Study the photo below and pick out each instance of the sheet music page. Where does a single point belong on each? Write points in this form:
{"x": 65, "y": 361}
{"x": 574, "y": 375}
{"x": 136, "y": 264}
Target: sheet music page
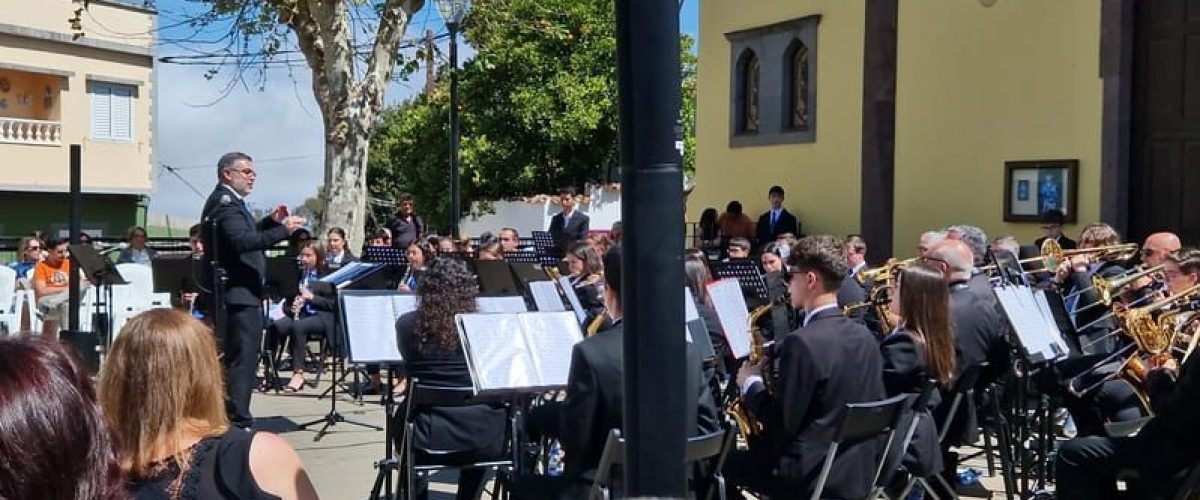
{"x": 573, "y": 298}
{"x": 690, "y": 313}
{"x": 1026, "y": 320}
{"x": 370, "y": 328}
{"x": 506, "y": 304}
{"x": 346, "y": 270}
{"x": 403, "y": 303}
{"x": 545, "y": 296}
{"x": 496, "y": 348}
{"x": 1043, "y": 306}
{"x": 550, "y": 337}
{"x": 727, "y": 299}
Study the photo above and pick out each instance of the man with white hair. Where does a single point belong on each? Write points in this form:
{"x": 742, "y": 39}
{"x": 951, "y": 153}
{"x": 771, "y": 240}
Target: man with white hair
{"x": 979, "y": 336}
{"x": 929, "y": 239}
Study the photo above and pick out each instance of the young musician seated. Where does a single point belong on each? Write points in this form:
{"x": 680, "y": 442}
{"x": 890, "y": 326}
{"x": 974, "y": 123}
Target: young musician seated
{"x": 306, "y": 315}
{"x": 586, "y": 273}
{"x": 419, "y": 255}
{"x": 336, "y": 252}
{"x": 697, "y": 276}
{"x": 830, "y": 361}
{"x": 921, "y": 348}
{"x": 428, "y": 340}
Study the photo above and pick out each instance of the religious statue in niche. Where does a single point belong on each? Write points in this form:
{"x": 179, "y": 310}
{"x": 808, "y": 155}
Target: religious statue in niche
{"x": 750, "y": 94}
{"x": 48, "y": 98}
{"x": 799, "y": 97}
{"x": 4, "y": 85}
{"x": 24, "y": 100}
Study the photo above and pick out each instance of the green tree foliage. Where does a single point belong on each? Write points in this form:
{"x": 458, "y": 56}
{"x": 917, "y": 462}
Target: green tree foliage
{"x": 538, "y": 104}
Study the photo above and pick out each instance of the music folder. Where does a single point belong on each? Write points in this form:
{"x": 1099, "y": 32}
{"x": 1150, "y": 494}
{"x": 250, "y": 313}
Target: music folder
{"x": 369, "y": 322}
{"x": 1033, "y": 322}
{"x": 518, "y": 352}
{"x": 727, "y": 299}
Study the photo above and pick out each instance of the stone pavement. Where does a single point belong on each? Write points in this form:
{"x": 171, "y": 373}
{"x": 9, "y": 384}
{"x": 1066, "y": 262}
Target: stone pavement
{"x": 341, "y": 463}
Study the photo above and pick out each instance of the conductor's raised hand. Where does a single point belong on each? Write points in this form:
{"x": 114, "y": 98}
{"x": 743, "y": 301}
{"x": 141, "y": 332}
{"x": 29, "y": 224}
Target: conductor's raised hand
{"x": 280, "y": 213}
{"x": 293, "y": 223}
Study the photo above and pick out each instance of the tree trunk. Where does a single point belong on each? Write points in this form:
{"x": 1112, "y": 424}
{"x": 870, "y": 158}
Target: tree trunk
{"x": 346, "y": 169}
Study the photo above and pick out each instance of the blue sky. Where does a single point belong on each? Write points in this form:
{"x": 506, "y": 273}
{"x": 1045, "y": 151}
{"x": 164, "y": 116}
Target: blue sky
{"x": 279, "y": 124}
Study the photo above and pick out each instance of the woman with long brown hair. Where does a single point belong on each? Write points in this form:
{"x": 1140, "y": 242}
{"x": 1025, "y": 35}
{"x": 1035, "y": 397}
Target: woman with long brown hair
{"x": 428, "y": 340}
{"x": 163, "y": 395}
{"x": 310, "y": 313}
{"x": 919, "y": 349}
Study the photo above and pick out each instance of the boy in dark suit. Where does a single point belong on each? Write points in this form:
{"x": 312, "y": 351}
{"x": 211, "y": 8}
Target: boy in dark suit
{"x": 830, "y": 361}
{"x": 569, "y": 226}
{"x": 777, "y": 220}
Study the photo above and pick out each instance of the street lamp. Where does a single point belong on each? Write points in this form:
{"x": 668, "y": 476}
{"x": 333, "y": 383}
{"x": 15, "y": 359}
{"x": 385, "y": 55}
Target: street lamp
{"x": 453, "y": 12}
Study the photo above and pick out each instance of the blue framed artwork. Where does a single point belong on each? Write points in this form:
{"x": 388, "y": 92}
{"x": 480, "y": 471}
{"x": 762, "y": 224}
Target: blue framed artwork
{"x": 1032, "y": 187}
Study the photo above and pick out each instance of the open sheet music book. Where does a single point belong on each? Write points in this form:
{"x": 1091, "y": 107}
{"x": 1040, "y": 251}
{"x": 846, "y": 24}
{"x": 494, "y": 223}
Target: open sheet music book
{"x": 730, "y": 304}
{"x": 1032, "y": 322}
{"x": 501, "y": 304}
{"x": 518, "y": 352}
{"x": 546, "y": 297}
{"x": 369, "y": 321}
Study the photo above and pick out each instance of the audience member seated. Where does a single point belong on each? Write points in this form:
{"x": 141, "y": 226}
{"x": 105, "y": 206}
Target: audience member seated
{"x": 162, "y": 394}
{"x": 29, "y": 253}
{"x": 337, "y": 254}
{"x": 53, "y": 437}
{"x": 51, "y": 285}
{"x": 734, "y": 223}
{"x": 308, "y": 314}
{"x": 706, "y": 237}
{"x": 428, "y": 340}
{"x": 137, "y": 252}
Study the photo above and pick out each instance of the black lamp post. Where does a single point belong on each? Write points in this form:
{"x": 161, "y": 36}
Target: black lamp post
{"x": 453, "y": 12}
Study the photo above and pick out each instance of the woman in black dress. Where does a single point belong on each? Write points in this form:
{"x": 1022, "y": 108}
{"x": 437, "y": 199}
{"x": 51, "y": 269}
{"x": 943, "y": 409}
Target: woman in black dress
{"x": 586, "y": 273}
{"x": 428, "y": 340}
{"x": 920, "y": 349}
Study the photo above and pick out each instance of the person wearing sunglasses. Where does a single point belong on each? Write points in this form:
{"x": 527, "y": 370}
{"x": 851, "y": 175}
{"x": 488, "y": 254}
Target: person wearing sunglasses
{"x": 29, "y": 253}
{"x": 830, "y": 361}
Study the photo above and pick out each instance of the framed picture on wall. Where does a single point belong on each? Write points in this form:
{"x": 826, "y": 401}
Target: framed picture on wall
{"x": 1031, "y": 187}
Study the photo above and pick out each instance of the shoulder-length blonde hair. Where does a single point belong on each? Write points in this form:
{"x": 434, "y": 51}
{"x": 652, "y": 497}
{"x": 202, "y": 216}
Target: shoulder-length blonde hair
{"x": 161, "y": 384}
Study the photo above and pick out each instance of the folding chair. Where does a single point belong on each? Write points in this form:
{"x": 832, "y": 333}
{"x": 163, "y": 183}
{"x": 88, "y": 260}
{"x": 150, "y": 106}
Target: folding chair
{"x": 10, "y": 317}
{"x": 964, "y": 390}
{"x": 428, "y": 396}
{"x": 713, "y": 446}
{"x": 860, "y": 422}
{"x": 892, "y": 461}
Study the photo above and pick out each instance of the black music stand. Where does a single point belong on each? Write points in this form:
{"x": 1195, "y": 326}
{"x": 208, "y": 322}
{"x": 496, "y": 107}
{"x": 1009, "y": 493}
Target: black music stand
{"x": 103, "y": 275}
{"x": 173, "y": 274}
{"x": 396, "y": 261}
{"x": 746, "y": 272}
{"x": 547, "y": 252}
{"x": 495, "y": 278}
{"x": 283, "y": 276}
{"x": 521, "y": 256}
{"x": 528, "y": 272}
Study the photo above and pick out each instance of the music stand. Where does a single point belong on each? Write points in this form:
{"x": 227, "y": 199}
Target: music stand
{"x": 173, "y": 274}
{"x": 746, "y": 272}
{"x": 543, "y": 242}
{"x": 521, "y": 256}
{"x": 283, "y": 275}
{"x": 103, "y": 275}
{"x": 495, "y": 278}
{"x": 528, "y": 272}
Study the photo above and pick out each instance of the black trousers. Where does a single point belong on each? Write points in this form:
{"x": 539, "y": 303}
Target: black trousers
{"x": 1087, "y": 467}
{"x": 243, "y": 338}
{"x": 299, "y": 331}
{"x": 751, "y": 471}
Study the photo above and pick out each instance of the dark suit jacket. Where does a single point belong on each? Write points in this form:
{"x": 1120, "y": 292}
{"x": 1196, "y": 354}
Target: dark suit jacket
{"x": 595, "y": 399}
{"x": 240, "y": 243}
{"x": 1063, "y": 241}
{"x": 404, "y": 232}
{"x": 822, "y": 366}
{"x": 575, "y": 230}
{"x": 477, "y": 430}
{"x": 979, "y": 336}
{"x": 1080, "y": 281}
{"x": 1176, "y": 402}
{"x": 905, "y": 370}
{"x": 850, "y": 292}
{"x": 787, "y": 223}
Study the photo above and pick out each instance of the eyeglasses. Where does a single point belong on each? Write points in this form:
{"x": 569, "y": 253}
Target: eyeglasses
{"x": 248, "y": 172}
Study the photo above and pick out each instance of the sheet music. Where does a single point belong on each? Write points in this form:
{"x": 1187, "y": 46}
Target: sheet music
{"x": 1028, "y": 323}
{"x": 545, "y": 296}
{"x": 370, "y": 328}
{"x": 550, "y": 338}
{"x": 504, "y": 304}
{"x": 346, "y": 272}
{"x": 496, "y": 347}
{"x": 403, "y": 303}
{"x": 690, "y": 313}
{"x": 727, "y": 300}
{"x": 573, "y": 298}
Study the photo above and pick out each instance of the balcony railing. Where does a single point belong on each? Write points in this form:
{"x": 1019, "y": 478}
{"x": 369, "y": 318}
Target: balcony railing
{"x": 21, "y": 131}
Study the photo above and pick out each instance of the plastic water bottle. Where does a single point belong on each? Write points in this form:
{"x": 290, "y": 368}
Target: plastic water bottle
{"x": 969, "y": 477}
{"x": 556, "y": 465}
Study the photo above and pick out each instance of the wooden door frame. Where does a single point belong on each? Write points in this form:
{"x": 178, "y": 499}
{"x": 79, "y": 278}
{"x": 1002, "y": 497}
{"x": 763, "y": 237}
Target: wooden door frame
{"x": 1117, "y": 30}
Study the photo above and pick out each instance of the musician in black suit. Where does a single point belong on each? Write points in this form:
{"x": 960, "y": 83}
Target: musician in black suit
{"x": 337, "y": 251}
{"x": 406, "y": 226}
{"x": 309, "y": 312}
{"x": 428, "y": 340}
{"x": 775, "y": 221}
{"x": 1052, "y": 224}
{"x": 239, "y": 243}
{"x": 1080, "y": 298}
{"x": 828, "y": 362}
{"x": 569, "y": 226}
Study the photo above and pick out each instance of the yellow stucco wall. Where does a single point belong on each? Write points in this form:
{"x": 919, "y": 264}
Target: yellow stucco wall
{"x": 821, "y": 178}
{"x": 108, "y": 166}
{"x": 977, "y": 86}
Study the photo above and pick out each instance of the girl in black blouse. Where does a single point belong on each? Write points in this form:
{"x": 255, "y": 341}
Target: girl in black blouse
{"x": 919, "y": 349}
{"x": 587, "y": 276}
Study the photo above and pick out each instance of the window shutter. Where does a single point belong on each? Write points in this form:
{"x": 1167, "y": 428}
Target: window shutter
{"x": 121, "y": 110}
{"x": 101, "y": 111}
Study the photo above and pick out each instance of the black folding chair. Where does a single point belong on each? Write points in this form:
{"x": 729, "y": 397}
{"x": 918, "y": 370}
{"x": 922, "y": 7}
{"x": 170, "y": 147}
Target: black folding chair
{"x": 906, "y": 429}
{"x": 428, "y": 396}
{"x": 963, "y": 393}
{"x": 713, "y": 446}
{"x": 861, "y": 422}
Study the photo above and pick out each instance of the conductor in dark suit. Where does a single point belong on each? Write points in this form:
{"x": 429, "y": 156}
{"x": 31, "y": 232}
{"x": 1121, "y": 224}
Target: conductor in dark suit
{"x": 775, "y": 221}
{"x": 570, "y": 225}
{"x": 428, "y": 340}
{"x": 830, "y": 361}
{"x": 238, "y": 248}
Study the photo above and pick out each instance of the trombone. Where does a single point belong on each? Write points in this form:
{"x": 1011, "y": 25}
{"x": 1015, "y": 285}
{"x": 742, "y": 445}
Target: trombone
{"x": 1108, "y": 289}
{"x": 1052, "y": 254}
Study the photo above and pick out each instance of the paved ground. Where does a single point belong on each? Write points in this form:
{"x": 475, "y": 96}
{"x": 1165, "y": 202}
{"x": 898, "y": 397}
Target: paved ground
{"x": 341, "y": 463}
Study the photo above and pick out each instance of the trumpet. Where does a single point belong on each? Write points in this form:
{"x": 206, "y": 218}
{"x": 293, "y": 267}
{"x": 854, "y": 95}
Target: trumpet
{"x": 885, "y": 273}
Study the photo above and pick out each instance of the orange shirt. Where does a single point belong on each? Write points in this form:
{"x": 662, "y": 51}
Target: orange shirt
{"x": 54, "y": 276}
{"x": 734, "y": 226}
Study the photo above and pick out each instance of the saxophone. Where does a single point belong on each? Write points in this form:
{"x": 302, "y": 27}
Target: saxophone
{"x": 747, "y": 423}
